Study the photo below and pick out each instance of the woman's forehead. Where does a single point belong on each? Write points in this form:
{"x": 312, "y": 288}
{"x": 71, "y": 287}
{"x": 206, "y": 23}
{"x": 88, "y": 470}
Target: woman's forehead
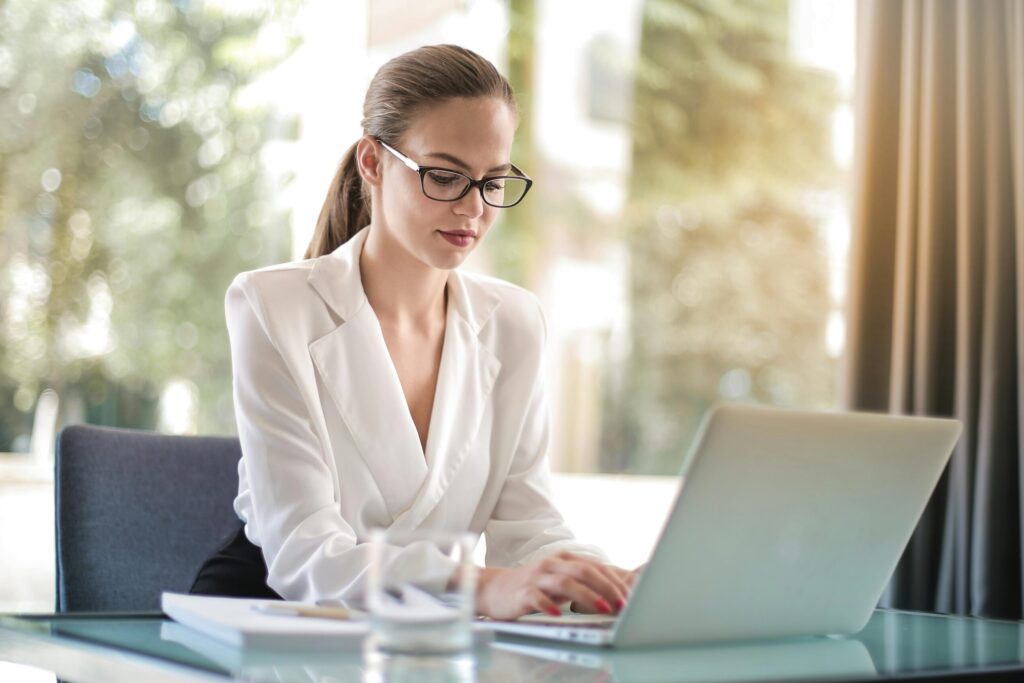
{"x": 475, "y": 131}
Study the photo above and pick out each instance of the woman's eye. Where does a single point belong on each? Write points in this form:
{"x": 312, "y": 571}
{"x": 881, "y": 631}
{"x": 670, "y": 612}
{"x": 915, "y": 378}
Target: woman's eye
{"x": 495, "y": 186}
{"x": 441, "y": 178}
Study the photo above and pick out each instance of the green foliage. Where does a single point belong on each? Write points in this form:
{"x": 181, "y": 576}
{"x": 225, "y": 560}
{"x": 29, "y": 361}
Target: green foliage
{"x": 513, "y": 243}
{"x": 729, "y": 278}
{"x": 130, "y": 194}
{"x": 720, "y": 103}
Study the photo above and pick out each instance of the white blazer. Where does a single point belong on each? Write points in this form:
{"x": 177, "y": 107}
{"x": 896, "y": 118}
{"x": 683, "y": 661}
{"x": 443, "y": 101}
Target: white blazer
{"x": 329, "y": 447}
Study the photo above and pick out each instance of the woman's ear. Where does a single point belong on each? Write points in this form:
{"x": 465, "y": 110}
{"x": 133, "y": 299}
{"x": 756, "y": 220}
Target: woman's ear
{"x": 368, "y": 160}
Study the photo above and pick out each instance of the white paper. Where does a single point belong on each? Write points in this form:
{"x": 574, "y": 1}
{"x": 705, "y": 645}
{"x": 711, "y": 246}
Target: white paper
{"x": 235, "y": 621}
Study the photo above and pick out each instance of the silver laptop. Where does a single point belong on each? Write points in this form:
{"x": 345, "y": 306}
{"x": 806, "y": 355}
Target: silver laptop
{"x": 787, "y": 523}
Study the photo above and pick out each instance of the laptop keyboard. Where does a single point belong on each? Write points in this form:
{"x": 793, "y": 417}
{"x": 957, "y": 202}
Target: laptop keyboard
{"x": 588, "y": 621}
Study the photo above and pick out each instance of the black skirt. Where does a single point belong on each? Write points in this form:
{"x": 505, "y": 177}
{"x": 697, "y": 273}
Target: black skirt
{"x": 236, "y": 570}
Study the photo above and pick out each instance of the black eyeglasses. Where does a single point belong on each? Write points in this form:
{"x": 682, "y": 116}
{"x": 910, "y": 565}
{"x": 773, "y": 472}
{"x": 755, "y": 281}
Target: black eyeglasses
{"x": 445, "y": 185}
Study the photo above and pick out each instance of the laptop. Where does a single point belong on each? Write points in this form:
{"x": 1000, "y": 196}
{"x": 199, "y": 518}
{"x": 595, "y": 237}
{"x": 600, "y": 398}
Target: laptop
{"x": 787, "y": 523}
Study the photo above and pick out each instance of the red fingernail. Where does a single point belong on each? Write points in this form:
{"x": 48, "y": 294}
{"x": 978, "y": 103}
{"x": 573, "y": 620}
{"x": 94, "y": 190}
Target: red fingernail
{"x": 603, "y": 606}
{"x": 620, "y": 603}
{"x": 554, "y": 611}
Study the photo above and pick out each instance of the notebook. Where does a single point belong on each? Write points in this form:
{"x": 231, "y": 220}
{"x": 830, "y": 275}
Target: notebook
{"x": 238, "y": 622}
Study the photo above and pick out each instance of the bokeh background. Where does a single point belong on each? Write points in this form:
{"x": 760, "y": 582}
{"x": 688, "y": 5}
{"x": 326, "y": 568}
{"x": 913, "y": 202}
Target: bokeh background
{"x": 687, "y": 232}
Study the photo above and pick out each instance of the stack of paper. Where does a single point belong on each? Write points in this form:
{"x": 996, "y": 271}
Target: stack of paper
{"x": 238, "y": 622}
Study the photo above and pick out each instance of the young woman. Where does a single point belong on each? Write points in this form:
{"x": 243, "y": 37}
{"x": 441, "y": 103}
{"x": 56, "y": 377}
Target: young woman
{"x": 377, "y": 386}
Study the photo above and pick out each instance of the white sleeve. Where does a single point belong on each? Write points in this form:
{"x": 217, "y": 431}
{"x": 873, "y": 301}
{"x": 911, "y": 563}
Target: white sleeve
{"x": 311, "y": 551}
{"x": 525, "y": 524}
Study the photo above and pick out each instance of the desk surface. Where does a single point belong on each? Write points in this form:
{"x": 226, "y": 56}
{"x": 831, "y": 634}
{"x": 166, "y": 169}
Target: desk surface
{"x": 893, "y": 645}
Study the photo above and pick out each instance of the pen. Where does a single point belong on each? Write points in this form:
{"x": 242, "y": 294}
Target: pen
{"x": 303, "y": 611}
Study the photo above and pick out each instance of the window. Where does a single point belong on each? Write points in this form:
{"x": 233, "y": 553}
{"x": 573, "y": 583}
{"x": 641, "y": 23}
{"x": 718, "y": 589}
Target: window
{"x": 686, "y": 231}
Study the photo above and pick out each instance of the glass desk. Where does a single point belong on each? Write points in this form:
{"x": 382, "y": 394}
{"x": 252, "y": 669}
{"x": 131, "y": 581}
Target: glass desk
{"x": 112, "y": 648}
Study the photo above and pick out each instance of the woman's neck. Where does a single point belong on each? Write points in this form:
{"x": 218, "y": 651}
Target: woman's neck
{"x": 404, "y": 292}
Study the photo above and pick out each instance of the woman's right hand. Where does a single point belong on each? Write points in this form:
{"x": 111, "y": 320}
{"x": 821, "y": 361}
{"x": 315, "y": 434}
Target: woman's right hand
{"x": 541, "y": 586}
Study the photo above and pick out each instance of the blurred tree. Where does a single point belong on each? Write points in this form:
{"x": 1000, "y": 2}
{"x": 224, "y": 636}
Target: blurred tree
{"x": 512, "y": 246}
{"x": 729, "y": 274}
{"x": 131, "y": 192}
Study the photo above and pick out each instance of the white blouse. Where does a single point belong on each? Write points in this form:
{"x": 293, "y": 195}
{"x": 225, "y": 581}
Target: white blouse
{"x": 329, "y": 447}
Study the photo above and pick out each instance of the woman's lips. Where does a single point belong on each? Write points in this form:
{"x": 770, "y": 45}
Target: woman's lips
{"x": 458, "y": 239}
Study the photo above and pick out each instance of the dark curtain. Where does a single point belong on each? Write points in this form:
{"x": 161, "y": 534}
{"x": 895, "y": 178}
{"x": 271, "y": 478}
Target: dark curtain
{"x": 936, "y": 307}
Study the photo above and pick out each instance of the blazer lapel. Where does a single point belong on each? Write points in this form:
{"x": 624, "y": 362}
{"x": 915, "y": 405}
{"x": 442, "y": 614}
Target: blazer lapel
{"x": 464, "y": 383}
{"x": 357, "y": 369}
{"x": 360, "y": 376}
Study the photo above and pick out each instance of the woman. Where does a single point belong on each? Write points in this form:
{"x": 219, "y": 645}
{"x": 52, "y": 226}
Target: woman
{"x": 377, "y": 386}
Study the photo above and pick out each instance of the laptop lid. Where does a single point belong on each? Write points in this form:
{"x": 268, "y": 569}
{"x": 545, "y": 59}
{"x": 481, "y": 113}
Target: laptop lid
{"x": 787, "y": 523}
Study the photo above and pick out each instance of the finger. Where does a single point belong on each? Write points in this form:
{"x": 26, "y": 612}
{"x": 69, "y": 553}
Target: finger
{"x": 540, "y": 602}
{"x": 597, "y": 578}
{"x": 618, "y": 600}
{"x": 616, "y": 597}
{"x": 626, "y": 576}
{"x": 618, "y": 577}
{"x": 610, "y": 572}
{"x": 635, "y": 574}
{"x": 563, "y": 587}
{"x": 614, "y": 574}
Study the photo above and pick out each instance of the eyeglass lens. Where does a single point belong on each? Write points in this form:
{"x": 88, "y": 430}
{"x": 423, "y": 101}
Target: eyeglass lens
{"x": 448, "y": 186}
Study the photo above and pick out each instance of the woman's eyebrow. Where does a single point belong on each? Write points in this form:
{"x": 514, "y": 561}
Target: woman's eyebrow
{"x": 459, "y": 162}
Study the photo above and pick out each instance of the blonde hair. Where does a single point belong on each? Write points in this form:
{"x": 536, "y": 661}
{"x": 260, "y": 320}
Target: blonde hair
{"x": 400, "y": 90}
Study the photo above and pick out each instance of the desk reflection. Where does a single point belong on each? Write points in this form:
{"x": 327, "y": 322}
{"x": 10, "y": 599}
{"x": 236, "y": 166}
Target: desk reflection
{"x": 806, "y": 658}
{"x": 106, "y": 648}
{"x": 521, "y": 659}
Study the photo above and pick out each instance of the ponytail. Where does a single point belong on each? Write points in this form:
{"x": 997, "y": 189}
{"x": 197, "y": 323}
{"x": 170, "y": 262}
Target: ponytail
{"x": 346, "y": 209}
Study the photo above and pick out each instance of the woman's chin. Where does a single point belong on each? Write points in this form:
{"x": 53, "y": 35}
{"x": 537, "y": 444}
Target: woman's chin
{"x": 446, "y": 256}
{"x": 447, "y": 261}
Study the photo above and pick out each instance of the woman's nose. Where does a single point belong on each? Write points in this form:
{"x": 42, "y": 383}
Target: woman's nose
{"x": 472, "y": 205}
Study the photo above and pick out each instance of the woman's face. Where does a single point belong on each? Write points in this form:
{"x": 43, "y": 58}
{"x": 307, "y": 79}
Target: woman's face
{"x": 471, "y": 136}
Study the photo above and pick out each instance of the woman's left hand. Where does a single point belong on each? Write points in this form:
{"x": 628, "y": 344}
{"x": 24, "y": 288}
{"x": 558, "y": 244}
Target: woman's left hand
{"x": 627, "y": 576}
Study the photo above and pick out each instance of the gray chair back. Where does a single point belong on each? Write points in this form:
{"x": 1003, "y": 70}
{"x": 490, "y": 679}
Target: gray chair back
{"x": 137, "y": 513}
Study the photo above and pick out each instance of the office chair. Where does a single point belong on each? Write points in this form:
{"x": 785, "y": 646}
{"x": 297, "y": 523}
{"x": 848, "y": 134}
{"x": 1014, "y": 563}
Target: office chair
{"x": 137, "y": 513}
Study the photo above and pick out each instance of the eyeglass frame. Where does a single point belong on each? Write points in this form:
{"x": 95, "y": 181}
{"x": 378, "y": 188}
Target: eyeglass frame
{"x": 479, "y": 184}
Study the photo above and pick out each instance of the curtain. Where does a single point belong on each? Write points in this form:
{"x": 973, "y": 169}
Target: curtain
{"x": 936, "y": 302}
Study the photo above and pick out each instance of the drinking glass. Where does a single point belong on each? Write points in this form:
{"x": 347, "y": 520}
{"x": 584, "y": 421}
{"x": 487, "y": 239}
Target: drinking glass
{"x": 420, "y": 593}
